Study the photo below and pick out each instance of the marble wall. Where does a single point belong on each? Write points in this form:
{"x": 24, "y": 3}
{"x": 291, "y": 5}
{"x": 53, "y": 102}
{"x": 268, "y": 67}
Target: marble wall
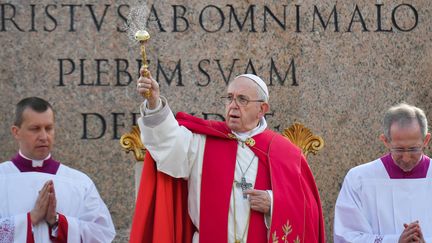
{"x": 335, "y": 66}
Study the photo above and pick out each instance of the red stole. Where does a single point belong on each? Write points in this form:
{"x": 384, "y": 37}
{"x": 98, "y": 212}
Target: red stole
{"x": 217, "y": 181}
{"x": 62, "y": 230}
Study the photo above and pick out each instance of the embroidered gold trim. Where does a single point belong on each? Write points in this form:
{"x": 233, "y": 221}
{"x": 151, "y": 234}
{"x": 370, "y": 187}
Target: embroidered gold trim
{"x": 287, "y": 229}
{"x": 232, "y": 136}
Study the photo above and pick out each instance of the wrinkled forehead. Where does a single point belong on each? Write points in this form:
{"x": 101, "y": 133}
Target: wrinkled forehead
{"x": 242, "y": 85}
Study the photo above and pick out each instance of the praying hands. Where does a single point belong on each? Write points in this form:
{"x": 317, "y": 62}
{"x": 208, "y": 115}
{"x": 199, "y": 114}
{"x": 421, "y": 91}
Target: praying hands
{"x": 45, "y": 207}
{"x": 412, "y": 233}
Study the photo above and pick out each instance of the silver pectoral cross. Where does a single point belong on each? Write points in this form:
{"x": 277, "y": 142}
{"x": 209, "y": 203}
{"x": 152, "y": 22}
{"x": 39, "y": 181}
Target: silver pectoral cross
{"x": 244, "y": 186}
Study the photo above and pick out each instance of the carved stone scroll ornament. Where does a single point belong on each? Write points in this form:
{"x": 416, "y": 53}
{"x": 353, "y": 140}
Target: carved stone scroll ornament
{"x": 303, "y": 138}
{"x": 131, "y": 141}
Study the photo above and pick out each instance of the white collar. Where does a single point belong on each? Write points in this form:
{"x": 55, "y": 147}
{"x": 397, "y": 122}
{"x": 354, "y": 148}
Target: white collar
{"x": 35, "y": 163}
{"x": 257, "y": 130}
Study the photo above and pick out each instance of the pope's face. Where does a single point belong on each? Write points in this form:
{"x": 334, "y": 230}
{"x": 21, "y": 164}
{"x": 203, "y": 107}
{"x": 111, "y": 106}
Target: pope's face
{"x": 406, "y": 145}
{"x": 243, "y": 118}
{"x": 35, "y": 135}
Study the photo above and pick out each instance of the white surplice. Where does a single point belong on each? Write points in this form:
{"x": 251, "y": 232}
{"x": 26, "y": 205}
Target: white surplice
{"x": 179, "y": 153}
{"x": 371, "y": 207}
{"x": 77, "y": 199}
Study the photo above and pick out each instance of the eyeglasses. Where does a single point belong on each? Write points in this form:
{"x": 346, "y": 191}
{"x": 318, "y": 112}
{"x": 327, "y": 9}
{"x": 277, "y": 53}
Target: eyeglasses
{"x": 413, "y": 150}
{"x": 240, "y": 100}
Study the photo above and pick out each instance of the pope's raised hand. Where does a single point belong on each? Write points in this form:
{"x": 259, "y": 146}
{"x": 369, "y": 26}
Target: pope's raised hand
{"x": 145, "y": 84}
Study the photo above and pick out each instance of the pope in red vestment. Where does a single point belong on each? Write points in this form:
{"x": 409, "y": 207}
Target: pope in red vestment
{"x": 161, "y": 213}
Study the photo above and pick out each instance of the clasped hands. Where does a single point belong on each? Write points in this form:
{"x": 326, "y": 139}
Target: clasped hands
{"x": 45, "y": 207}
{"x": 412, "y": 233}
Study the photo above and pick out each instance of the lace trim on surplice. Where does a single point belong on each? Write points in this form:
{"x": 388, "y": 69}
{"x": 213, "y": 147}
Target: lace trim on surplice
{"x": 7, "y": 230}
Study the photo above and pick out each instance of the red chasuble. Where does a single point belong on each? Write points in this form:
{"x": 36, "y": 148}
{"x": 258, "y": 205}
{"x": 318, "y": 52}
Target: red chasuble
{"x": 296, "y": 212}
{"x": 161, "y": 213}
